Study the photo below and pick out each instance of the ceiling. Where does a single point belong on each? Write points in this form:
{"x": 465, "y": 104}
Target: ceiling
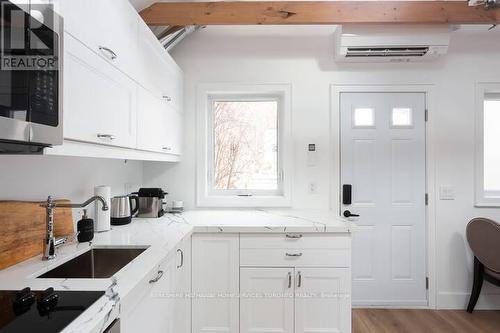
{"x": 141, "y": 4}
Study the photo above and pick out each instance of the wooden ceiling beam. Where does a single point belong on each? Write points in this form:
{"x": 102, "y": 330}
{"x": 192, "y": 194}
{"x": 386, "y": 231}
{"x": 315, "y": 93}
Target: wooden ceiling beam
{"x": 317, "y": 12}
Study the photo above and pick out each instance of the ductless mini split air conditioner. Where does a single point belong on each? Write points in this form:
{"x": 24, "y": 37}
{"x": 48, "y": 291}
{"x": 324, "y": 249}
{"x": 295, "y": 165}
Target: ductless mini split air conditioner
{"x": 390, "y": 43}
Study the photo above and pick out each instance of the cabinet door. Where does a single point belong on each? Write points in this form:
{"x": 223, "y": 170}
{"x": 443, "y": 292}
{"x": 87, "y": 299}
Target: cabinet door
{"x": 173, "y": 138}
{"x": 151, "y": 126}
{"x": 108, "y": 28}
{"x": 215, "y": 271}
{"x": 266, "y": 304}
{"x": 99, "y": 100}
{"x": 182, "y": 303}
{"x": 152, "y": 309}
{"x": 322, "y": 300}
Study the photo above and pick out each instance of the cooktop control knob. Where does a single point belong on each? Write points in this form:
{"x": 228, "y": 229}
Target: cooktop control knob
{"x": 47, "y": 302}
{"x": 23, "y": 301}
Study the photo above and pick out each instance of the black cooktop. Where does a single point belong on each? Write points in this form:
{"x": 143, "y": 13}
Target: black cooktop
{"x": 45, "y": 311}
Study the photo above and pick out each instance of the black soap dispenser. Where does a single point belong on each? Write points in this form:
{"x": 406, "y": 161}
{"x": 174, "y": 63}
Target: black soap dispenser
{"x": 85, "y": 228}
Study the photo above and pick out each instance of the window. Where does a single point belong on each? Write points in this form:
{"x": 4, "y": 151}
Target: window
{"x": 364, "y": 117}
{"x": 487, "y": 148}
{"x": 243, "y": 156}
{"x": 401, "y": 117}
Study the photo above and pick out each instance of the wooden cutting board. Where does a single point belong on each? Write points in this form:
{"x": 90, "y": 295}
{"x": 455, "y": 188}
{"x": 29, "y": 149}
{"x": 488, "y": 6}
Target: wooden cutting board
{"x": 22, "y": 228}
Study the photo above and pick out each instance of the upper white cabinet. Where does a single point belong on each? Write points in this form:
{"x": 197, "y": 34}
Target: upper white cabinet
{"x": 121, "y": 87}
{"x": 159, "y": 126}
{"x": 100, "y": 101}
{"x": 109, "y": 28}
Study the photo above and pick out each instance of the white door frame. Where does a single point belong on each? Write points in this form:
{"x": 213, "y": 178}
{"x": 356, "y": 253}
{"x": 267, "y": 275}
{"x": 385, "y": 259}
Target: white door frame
{"x": 427, "y": 89}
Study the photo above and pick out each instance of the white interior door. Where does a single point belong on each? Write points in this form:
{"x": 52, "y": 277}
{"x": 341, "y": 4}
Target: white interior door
{"x": 383, "y": 158}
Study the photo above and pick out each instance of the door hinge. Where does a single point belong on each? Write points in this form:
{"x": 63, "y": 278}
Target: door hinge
{"x": 426, "y": 115}
{"x": 426, "y": 283}
{"x": 426, "y": 199}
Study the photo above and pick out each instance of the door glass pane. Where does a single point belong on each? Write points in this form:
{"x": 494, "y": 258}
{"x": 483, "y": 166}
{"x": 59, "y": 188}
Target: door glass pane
{"x": 401, "y": 117}
{"x": 491, "y": 140}
{"x": 364, "y": 117}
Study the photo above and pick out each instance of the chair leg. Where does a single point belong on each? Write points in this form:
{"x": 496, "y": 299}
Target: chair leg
{"x": 478, "y": 283}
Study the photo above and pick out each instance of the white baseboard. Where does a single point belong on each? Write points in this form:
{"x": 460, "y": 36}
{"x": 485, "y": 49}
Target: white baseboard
{"x": 452, "y": 301}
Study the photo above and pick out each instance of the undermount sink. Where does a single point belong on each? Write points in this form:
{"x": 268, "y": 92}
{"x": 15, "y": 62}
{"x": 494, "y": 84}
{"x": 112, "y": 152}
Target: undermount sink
{"x": 97, "y": 263}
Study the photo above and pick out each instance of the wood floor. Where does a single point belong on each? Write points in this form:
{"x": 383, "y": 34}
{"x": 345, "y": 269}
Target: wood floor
{"x": 424, "y": 321}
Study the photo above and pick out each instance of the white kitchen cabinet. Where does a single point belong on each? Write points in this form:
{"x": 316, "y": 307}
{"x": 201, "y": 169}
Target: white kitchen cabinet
{"x": 215, "y": 283}
{"x": 108, "y": 28}
{"x": 266, "y": 303}
{"x": 107, "y": 65}
{"x": 150, "y": 308}
{"x": 322, "y": 300}
{"x": 289, "y": 283}
{"x": 181, "y": 319}
{"x": 99, "y": 100}
{"x": 159, "y": 127}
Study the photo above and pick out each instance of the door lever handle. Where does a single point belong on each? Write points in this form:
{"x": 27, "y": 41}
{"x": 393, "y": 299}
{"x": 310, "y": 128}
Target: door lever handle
{"x": 349, "y": 214}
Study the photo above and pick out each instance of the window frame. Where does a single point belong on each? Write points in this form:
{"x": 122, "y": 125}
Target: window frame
{"x": 482, "y": 198}
{"x": 206, "y": 195}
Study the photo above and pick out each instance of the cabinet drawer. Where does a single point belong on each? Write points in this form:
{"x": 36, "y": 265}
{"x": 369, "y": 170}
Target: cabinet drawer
{"x": 294, "y": 241}
{"x": 295, "y": 257}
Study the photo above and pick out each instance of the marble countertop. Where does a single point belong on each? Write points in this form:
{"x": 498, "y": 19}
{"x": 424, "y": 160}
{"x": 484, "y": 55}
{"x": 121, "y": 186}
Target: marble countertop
{"x": 160, "y": 236}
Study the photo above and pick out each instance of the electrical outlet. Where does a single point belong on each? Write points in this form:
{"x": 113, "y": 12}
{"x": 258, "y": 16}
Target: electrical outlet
{"x": 312, "y": 188}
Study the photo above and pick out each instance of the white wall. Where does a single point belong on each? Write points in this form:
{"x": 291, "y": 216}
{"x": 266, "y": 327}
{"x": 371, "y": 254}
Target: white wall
{"x": 33, "y": 178}
{"x": 303, "y": 57}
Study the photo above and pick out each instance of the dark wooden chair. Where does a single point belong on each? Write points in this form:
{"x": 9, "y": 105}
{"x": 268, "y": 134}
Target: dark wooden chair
{"x": 483, "y": 236}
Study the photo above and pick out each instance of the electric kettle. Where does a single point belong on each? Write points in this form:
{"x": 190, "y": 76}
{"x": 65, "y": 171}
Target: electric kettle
{"x": 121, "y": 209}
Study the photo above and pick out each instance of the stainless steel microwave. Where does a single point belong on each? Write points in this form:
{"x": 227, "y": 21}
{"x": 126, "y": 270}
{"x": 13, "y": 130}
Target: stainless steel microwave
{"x": 31, "y": 53}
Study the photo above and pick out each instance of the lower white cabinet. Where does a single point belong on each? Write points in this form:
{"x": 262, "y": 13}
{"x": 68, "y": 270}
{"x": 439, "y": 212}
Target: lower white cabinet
{"x": 99, "y": 100}
{"x": 322, "y": 300}
{"x": 160, "y": 304}
{"x": 266, "y": 303}
{"x": 150, "y": 309}
{"x": 215, "y": 283}
{"x": 181, "y": 320}
{"x": 288, "y": 283}
{"x": 300, "y": 300}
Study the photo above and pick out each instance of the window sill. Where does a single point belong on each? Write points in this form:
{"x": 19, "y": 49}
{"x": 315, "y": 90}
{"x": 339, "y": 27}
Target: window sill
{"x": 243, "y": 202}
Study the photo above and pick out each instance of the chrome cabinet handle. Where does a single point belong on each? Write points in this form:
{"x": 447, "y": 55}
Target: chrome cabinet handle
{"x": 157, "y": 278}
{"x": 105, "y": 49}
{"x": 293, "y": 236}
{"x": 166, "y": 148}
{"x": 289, "y": 280}
{"x": 299, "y": 283}
{"x": 294, "y": 254}
{"x": 106, "y": 136}
{"x": 182, "y": 258}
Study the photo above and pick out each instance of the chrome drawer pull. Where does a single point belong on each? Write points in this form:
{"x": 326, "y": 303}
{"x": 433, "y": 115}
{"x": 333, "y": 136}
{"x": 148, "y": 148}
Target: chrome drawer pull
{"x": 167, "y": 148}
{"x": 157, "y": 278}
{"x": 289, "y": 280}
{"x": 294, "y": 254}
{"x": 293, "y": 236}
{"x": 182, "y": 258}
{"x": 299, "y": 284}
{"x": 106, "y": 136}
{"x": 110, "y": 52}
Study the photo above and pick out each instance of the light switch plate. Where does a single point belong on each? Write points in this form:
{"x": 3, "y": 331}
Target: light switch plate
{"x": 446, "y": 192}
